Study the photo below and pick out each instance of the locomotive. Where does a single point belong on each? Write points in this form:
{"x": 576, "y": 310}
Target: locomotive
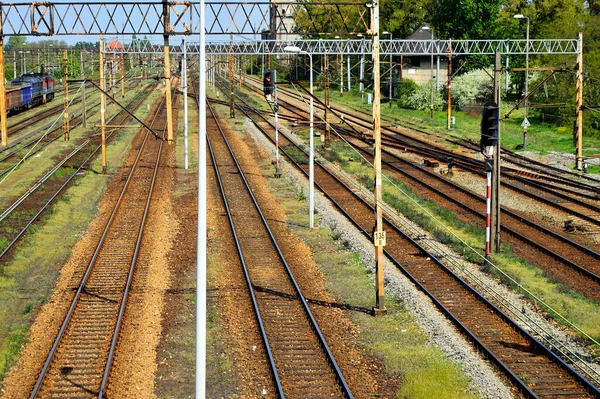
{"x": 28, "y": 91}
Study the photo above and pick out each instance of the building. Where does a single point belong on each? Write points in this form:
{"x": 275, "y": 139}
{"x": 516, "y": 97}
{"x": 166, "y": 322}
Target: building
{"x": 419, "y": 67}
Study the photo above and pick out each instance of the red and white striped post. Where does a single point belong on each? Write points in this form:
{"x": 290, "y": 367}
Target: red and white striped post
{"x": 489, "y": 166}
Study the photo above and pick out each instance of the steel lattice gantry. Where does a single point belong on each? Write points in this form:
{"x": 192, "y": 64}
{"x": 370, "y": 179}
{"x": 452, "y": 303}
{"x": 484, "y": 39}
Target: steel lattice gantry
{"x": 182, "y": 17}
{"x": 364, "y": 46}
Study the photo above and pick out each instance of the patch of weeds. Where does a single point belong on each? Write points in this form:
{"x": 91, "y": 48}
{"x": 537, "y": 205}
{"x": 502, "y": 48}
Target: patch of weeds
{"x": 12, "y": 347}
{"x": 300, "y": 195}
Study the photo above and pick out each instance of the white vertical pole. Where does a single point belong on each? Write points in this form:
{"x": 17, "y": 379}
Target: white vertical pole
{"x": 348, "y": 72}
{"x": 488, "y": 206}
{"x": 185, "y": 104}
{"x": 201, "y": 250}
{"x": 311, "y": 156}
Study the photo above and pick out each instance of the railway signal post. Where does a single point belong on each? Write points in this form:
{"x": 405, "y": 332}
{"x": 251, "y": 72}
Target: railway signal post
{"x": 488, "y": 146}
{"x": 270, "y": 92}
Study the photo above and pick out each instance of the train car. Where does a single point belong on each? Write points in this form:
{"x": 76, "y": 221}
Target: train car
{"x": 36, "y": 83}
{"x": 13, "y": 99}
{"x": 49, "y": 87}
{"x": 28, "y": 91}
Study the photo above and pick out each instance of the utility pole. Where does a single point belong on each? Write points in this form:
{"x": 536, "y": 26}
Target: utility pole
{"x": 379, "y": 234}
{"x": 167, "y": 69}
{"x": 184, "y": 83}
{"x": 102, "y": 105}
{"x": 122, "y": 68}
{"x": 348, "y": 72}
{"x": 449, "y": 86}
{"x": 341, "y": 74}
{"x": 231, "y": 81}
{"x": 84, "y": 112}
{"x": 66, "y": 127}
{"x": 495, "y": 201}
{"x": 578, "y": 133}
{"x": 4, "y": 132}
{"x": 326, "y": 96}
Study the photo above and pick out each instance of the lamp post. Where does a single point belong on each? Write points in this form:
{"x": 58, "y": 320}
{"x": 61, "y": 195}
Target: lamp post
{"x": 525, "y": 121}
{"x": 431, "y": 69}
{"x": 391, "y": 66}
{"x": 311, "y": 155}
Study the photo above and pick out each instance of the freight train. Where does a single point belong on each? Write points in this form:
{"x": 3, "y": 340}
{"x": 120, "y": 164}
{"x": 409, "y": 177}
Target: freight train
{"x": 28, "y": 91}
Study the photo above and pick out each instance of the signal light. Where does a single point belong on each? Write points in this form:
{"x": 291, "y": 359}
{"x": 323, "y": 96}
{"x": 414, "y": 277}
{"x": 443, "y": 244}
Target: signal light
{"x": 490, "y": 121}
{"x": 269, "y": 82}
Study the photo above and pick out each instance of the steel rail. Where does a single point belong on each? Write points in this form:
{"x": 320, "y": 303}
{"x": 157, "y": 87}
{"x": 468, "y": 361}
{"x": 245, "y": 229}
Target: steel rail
{"x": 258, "y": 317}
{"x": 73, "y": 122}
{"x": 571, "y": 264}
{"x": 313, "y": 323}
{"x": 87, "y": 273}
{"x": 555, "y": 235}
{"x": 61, "y": 188}
{"x": 132, "y": 265}
{"x": 516, "y": 379}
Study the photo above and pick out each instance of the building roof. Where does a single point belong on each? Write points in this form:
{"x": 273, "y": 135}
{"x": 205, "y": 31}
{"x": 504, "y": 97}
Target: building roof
{"x": 114, "y": 46}
{"x": 423, "y": 33}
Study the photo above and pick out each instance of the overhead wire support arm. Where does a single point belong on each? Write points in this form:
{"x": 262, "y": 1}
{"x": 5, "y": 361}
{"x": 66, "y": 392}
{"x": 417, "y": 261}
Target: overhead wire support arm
{"x": 156, "y": 135}
{"x": 535, "y": 89}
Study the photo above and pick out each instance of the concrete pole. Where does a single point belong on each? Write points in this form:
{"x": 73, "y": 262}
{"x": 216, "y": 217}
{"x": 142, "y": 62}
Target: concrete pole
{"x": 341, "y": 75}
{"x": 348, "y": 72}
{"x": 361, "y": 76}
{"x": 379, "y": 239}
{"x": 200, "y": 369}
{"x": 14, "y": 65}
{"x": 185, "y": 104}
{"x": 526, "y": 85}
{"x": 3, "y": 128}
{"x": 102, "y": 105}
{"x": 326, "y": 95}
{"x": 231, "y": 82}
{"x": 495, "y": 211}
{"x": 167, "y": 70}
{"x": 431, "y": 80}
{"x": 122, "y": 69}
{"x": 506, "y": 73}
{"x": 311, "y": 154}
{"x": 449, "y": 86}
{"x": 579, "y": 102}
{"x": 84, "y": 106}
{"x": 66, "y": 127}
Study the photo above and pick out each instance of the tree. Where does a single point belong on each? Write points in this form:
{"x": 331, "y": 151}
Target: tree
{"x": 466, "y": 19}
{"x": 15, "y": 42}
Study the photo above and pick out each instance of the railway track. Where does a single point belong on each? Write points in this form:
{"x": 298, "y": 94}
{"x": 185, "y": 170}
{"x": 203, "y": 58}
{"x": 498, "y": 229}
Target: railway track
{"x": 26, "y": 210}
{"x": 569, "y": 261}
{"x": 79, "y": 362}
{"x": 546, "y": 183}
{"x": 301, "y": 363}
{"x": 531, "y": 366}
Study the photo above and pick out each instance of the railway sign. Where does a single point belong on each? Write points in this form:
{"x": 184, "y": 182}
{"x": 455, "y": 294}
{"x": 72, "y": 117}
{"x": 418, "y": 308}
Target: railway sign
{"x": 525, "y": 123}
{"x": 379, "y": 238}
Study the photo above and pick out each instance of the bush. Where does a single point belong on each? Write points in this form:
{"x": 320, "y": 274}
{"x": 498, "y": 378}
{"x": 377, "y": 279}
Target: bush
{"x": 472, "y": 87}
{"x": 421, "y": 98}
{"x": 404, "y": 90}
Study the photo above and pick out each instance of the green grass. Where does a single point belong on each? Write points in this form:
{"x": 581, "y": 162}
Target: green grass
{"x": 542, "y": 137}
